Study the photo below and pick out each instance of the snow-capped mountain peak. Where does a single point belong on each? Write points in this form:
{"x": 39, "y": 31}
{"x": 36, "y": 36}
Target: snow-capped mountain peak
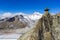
{"x": 14, "y": 24}
{"x": 35, "y": 16}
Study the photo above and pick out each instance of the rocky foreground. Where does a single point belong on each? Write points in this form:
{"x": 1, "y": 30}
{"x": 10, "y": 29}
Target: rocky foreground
{"x": 47, "y": 28}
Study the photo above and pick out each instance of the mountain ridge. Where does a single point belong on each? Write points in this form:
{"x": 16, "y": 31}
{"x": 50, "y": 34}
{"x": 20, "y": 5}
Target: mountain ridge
{"x": 45, "y": 29}
{"x": 18, "y": 21}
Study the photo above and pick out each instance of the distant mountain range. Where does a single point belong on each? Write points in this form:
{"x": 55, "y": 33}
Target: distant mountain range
{"x": 19, "y": 21}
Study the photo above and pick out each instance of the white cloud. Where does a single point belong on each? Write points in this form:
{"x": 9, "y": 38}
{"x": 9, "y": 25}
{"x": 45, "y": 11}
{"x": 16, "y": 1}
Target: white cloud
{"x": 7, "y": 14}
{"x": 32, "y": 16}
{"x": 19, "y": 13}
{"x": 36, "y": 13}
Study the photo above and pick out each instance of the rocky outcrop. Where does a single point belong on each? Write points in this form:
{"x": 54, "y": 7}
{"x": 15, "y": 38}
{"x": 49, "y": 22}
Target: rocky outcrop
{"x": 56, "y": 26}
{"x": 47, "y": 28}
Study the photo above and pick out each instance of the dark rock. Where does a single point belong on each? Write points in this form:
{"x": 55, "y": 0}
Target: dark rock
{"x": 11, "y": 19}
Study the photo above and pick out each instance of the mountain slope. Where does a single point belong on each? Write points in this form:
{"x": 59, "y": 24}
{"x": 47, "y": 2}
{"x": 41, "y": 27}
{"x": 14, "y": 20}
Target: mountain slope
{"x": 45, "y": 29}
{"x": 18, "y": 22}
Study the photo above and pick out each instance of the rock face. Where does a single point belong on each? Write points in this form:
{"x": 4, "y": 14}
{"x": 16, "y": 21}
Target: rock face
{"x": 56, "y": 26}
{"x": 47, "y": 28}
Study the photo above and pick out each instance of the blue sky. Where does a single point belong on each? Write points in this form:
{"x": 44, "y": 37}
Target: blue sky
{"x": 29, "y": 6}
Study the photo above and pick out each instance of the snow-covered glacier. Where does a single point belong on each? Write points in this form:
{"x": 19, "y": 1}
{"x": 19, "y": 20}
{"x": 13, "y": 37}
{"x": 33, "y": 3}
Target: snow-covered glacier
{"x": 28, "y": 20}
